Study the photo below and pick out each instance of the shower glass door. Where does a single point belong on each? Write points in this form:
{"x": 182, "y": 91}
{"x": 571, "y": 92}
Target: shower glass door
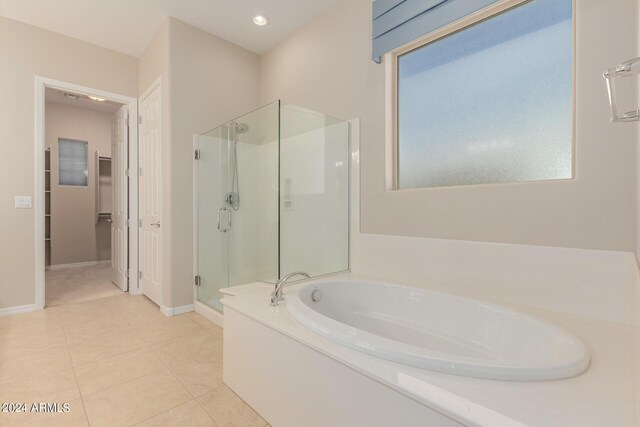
{"x": 237, "y": 204}
{"x": 272, "y": 197}
{"x": 213, "y": 215}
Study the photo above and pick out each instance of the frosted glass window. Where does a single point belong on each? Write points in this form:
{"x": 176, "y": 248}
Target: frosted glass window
{"x": 491, "y": 103}
{"x": 73, "y": 162}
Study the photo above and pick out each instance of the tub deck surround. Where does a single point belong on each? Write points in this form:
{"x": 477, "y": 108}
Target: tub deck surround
{"x": 438, "y": 331}
{"x": 606, "y": 394}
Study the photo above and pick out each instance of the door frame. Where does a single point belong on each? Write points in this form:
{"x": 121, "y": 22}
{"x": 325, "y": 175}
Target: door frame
{"x": 41, "y": 83}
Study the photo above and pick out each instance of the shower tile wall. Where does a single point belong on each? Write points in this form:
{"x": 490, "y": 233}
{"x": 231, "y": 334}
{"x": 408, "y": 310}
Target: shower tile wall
{"x": 314, "y": 206}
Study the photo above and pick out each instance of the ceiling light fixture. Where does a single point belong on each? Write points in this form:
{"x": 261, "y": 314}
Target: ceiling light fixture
{"x": 95, "y": 98}
{"x": 260, "y": 20}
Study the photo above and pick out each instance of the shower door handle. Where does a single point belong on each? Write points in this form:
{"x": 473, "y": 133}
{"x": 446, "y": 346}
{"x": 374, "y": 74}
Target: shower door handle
{"x": 221, "y": 229}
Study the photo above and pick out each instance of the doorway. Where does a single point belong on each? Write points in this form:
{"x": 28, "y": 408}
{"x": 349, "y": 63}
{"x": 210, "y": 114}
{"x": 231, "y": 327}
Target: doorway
{"x": 86, "y": 197}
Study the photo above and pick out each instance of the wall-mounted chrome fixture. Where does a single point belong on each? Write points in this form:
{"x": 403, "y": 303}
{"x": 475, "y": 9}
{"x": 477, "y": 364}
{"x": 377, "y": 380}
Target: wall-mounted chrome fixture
{"x": 626, "y": 69}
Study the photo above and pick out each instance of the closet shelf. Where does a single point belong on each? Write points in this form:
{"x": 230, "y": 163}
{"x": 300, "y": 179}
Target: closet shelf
{"x": 48, "y": 195}
{"x": 103, "y": 182}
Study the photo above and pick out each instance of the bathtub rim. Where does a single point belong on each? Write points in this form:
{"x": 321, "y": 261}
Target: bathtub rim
{"x": 595, "y": 395}
{"x": 387, "y": 349}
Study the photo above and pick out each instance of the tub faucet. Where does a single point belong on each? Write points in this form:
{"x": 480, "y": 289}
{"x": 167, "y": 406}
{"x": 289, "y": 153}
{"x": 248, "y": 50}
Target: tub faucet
{"x": 276, "y": 295}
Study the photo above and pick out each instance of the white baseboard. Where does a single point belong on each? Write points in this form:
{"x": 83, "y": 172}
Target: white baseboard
{"x": 17, "y": 310}
{"x": 209, "y": 313}
{"x": 174, "y": 311}
{"x": 79, "y": 264}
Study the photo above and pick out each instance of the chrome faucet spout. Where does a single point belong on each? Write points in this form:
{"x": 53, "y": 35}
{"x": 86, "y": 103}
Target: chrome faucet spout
{"x": 276, "y": 295}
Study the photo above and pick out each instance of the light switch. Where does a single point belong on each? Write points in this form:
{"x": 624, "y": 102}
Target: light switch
{"x": 23, "y": 202}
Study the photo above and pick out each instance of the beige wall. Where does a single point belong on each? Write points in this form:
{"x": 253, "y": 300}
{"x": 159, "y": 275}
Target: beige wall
{"x": 31, "y": 51}
{"x": 206, "y": 81}
{"x": 212, "y": 81}
{"x": 75, "y": 236}
{"x": 326, "y": 66}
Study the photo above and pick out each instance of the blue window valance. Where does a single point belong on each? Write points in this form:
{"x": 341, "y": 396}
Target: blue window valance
{"x": 398, "y": 22}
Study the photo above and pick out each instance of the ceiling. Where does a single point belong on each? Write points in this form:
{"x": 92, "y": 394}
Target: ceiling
{"x": 58, "y": 97}
{"x": 128, "y": 26}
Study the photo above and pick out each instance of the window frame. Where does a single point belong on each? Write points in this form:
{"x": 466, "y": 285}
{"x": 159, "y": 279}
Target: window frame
{"x": 58, "y": 163}
{"x": 391, "y": 64}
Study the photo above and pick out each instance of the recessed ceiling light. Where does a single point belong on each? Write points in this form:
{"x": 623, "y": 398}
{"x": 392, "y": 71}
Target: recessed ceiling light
{"x": 260, "y": 20}
{"x": 95, "y": 98}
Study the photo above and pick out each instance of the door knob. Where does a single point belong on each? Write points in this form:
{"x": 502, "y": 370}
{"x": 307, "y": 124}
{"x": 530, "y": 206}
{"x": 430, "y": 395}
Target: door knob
{"x": 156, "y": 224}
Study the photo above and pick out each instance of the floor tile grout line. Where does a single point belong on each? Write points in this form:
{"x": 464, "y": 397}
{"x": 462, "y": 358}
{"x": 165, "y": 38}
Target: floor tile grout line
{"x": 193, "y": 398}
{"x": 124, "y": 382}
{"x": 106, "y": 330}
{"x": 197, "y": 399}
{"x": 135, "y": 332}
{"x": 75, "y": 375}
{"x": 65, "y": 324}
{"x": 106, "y": 357}
{"x": 173, "y": 340}
{"x": 171, "y": 409}
{"x": 205, "y": 411}
{"x": 163, "y": 364}
{"x": 266, "y": 423}
{"x": 148, "y": 347}
{"x": 172, "y": 373}
{"x": 174, "y": 376}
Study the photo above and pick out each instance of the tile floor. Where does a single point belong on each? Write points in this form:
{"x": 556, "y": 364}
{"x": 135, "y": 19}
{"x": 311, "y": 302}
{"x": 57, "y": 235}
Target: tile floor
{"x": 77, "y": 284}
{"x": 118, "y": 362}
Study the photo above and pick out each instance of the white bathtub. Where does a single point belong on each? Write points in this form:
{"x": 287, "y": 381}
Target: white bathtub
{"x": 438, "y": 331}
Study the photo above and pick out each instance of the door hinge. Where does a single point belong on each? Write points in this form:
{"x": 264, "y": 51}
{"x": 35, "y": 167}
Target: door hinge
{"x": 140, "y": 223}
{"x": 128, "y": 223}
{"x": 140, "y": 171}
{"x": 126, "y": 121}
{"x": 198, "y": 280}
{"x": 126, "y": 172}
{"x": 140, "y": 275}
{"x": 139, "y": 119}
{"x": 197, "y": 155}
{"x": 126, "y": 273}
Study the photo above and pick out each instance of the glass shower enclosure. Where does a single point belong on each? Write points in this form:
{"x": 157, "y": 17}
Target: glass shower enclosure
{"x": 272, "y": 197}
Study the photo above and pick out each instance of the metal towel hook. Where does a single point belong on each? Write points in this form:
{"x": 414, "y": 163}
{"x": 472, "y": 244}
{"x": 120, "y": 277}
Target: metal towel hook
{"x": 626, "y": 69}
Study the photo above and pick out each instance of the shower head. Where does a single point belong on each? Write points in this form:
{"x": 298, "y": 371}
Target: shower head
{"x": 241, "y": 128}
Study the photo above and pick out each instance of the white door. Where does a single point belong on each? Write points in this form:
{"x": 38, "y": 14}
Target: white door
{"x": 120, "y": 196}
{"x": 150, "y": 196}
